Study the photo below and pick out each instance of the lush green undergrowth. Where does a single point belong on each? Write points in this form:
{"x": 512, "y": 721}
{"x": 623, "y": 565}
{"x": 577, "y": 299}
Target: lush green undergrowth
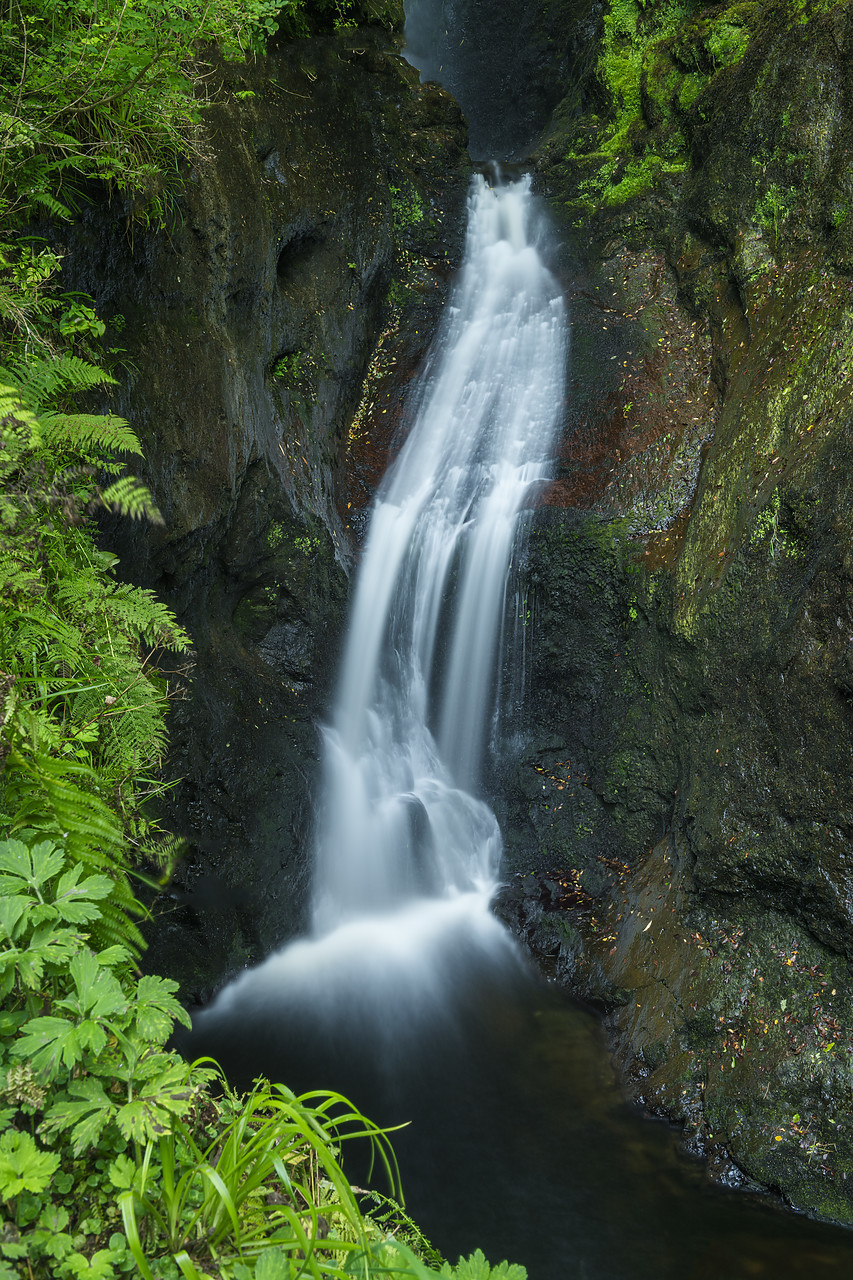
{"x": 116, "y": 1156}
{"x": 113, "y": 90}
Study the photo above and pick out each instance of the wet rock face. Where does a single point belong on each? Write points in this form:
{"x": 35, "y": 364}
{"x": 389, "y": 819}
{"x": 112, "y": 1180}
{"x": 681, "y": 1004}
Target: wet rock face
{"x": 687, "y": 788}
{"x": 327, "y": 199}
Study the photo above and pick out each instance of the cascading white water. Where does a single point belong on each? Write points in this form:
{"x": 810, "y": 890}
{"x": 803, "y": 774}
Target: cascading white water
{"x": 400, "y": 819}
{"x": 407, "y": 854}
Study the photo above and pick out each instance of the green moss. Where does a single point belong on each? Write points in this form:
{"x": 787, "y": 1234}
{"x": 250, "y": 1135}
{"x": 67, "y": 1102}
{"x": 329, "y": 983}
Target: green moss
{"x": 727, "y": 43}
{"x": 689, "y": 89}
{"x": 656, "y": 58}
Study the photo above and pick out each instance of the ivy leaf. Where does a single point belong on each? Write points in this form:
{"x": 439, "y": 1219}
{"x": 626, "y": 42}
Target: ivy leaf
{"x": 23, "y": 1165}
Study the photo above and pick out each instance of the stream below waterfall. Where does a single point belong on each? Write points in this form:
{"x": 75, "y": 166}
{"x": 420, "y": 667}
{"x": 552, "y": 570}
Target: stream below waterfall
{"x": 519, "y": 1142}
{"x": 407, "y": 994}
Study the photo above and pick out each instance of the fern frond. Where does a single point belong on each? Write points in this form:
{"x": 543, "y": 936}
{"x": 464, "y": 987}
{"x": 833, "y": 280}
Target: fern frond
{"x": 41, "y": 382}
{"x": 130, "y": 497}
{"x": 141, "y": 612}
{"x": 17, "y": 579}
{"x": 12, "y": 409}
{"x": 55, "y": 207}
{"x": 89, "y": 433}
{"x": 88, "y": 829}
{"x": 115, "y": 928}
{"x": 84, "y": 818}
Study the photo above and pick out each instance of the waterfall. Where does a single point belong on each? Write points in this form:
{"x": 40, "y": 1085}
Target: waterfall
{"x": 407, "y": 852}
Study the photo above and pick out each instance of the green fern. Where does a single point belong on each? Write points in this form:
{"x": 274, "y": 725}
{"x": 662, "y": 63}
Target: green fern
{"x": 129, "y": 497}
{"x": 89, "y": 433}
{"x": 41, "y": 382}
{"x": 83, "y": 710}
{"x": 44, "y": 795}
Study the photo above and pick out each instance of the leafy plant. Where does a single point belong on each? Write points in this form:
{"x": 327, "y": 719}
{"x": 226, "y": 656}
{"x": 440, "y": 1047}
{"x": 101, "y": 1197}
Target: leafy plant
{"x": 406, "y": 207}
{"x": 269, "y": 1179}
{"x": 82, "y": 707}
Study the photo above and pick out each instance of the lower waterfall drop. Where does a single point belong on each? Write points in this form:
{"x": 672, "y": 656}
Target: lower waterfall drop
{"x": 407, "y": 854}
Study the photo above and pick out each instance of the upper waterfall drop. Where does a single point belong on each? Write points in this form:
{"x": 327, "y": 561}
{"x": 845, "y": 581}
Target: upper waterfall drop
{"x": 400, "y": 814}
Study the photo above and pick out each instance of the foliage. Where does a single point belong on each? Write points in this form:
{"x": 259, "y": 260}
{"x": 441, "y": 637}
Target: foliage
{"x": 656, "y": 58}
{"x": 113, "y": 90}
{"x": 82, "y": 706}
{"x": 251, "y": 1187}
{"x": 108, "y": 91}
{"x": 406, "y": 207}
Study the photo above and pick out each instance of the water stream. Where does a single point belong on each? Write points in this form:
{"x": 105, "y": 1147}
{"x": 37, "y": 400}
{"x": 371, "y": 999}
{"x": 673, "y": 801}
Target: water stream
{"x": 407, "y": 993}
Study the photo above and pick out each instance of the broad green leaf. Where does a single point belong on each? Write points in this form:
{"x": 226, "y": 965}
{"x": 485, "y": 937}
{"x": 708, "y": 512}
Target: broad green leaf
{"x": 11, "y": 911}
{"x": 142, "y": 1120}
{"x": 35, "y": 866}
{"x": 122, "y": 1172}
{"x": 114, "y": 955}
{"x": 50, "y": 1236}
{"x": 273, "y": 1264}
{"x": 137, "y": 1063}
{"x": 53, "y": 1217}
{"x": 85, "y": 1112}
{"x": 10, "y": 1022}
{"x": 47, "y": 1042}
{"x": 156, "y": 1010}
{"x": 99, "y": 992}
{"x": 98, "y": 1267}
{"x": 23, "y": 1165}
{"x": 15, "y": 860}
{"x": 49, "y": 946}
{"x": 74, "y": 901}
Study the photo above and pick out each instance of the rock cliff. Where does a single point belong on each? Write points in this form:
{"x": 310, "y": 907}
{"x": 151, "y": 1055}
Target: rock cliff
{"x": 263, "y": 333}
{"x": 683, "y": 821}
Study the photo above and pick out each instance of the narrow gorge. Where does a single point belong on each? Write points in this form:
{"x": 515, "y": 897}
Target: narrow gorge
{"x": 674, "y": 810}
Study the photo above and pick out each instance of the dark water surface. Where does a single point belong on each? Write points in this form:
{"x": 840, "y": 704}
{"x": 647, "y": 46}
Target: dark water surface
{"x": 521, "y": 1144}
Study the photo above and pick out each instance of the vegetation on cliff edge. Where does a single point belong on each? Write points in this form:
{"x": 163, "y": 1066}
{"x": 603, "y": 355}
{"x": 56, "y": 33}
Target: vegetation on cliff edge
{"x": 116, "y": 1156}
